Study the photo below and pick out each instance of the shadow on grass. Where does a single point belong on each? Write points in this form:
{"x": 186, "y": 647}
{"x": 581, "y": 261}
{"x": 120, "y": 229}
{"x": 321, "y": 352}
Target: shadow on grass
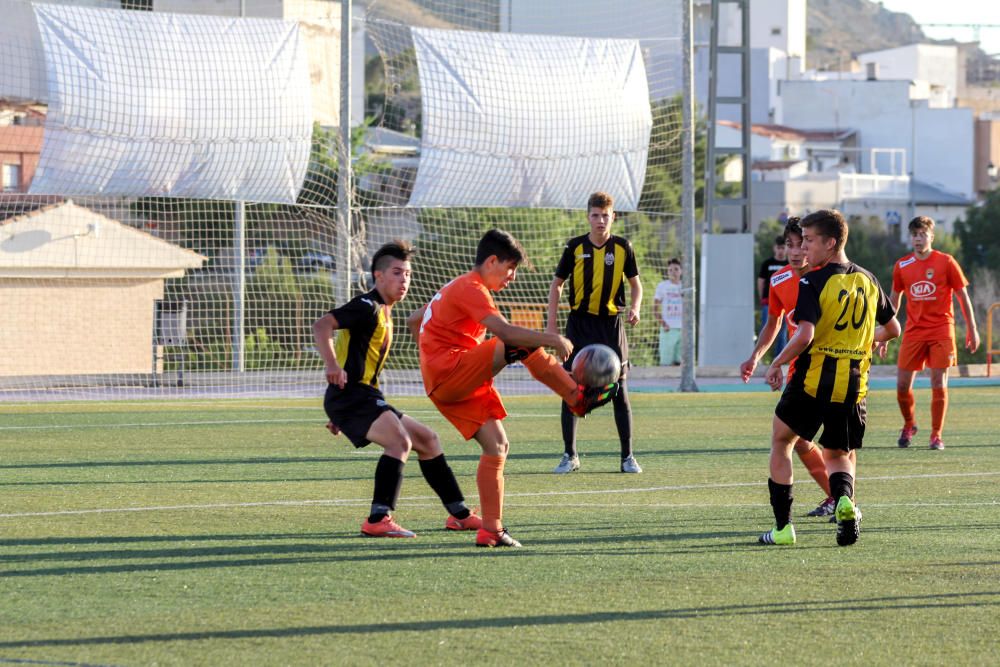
{"x": 937, "y": 601}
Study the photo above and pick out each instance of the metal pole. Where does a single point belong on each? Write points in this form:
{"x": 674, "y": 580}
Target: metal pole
{"x": 240, "y": 282}
{"x": 713, "y": 64}
{"x": 344, "y": 159}
{"x": 745, "y": 117}
{"x": 688, "y": 330}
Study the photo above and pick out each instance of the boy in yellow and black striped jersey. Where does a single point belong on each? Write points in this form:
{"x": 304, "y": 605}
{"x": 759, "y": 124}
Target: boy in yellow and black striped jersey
{"x": 356, "y": 407}
{"x": 598, "y": 266}
{"x": 842, "y": 312}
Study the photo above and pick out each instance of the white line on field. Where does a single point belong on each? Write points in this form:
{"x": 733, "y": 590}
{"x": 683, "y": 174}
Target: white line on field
{"x": 352, "y": 502}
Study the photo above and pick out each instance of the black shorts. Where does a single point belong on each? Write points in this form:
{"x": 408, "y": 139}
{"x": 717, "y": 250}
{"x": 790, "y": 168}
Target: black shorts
{"x": 354, "y": 409}
{"x": 583, "y": 329}
{"x": 843, "y": 423}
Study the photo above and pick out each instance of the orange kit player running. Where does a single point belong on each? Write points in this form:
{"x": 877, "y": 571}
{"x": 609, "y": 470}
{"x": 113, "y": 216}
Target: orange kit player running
{"x": 782, "y": 295}
{"x": 929, "y": 279}
{"x": 458, "y": 365}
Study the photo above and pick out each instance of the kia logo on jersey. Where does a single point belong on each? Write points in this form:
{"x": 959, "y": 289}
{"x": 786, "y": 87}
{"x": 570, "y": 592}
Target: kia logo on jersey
{"x": 922, "y": 289}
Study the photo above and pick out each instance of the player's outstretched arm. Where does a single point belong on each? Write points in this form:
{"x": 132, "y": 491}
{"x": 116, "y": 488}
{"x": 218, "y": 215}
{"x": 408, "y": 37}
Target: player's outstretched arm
{"x": 972, "y": 339}
{"x": 635, "y": 294}
{"x": 886, "y": 332}
{"x": 414, "y": 320}
{"x": 515, "y": 336}
{"x": 323, "y": 329}
{"x": 555, "y": 296}
{"x": 764, "y": 342}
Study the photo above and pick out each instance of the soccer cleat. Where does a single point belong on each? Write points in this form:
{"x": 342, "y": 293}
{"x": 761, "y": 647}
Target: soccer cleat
{"x": 906, "y": 436}
{"x": 825, "y": 508}
{"x": 936, "y": 443}
{"x": 471, "y": 522}
{"x": 589, "y": 398}
{"x": 385, "y": 528}
{"x": 629, "y": 464}
{"x": 782, "y": 537}
{"x": 848, "y": 522}
{"x": 487, "y": 538}
{"x": 567, "y": 464}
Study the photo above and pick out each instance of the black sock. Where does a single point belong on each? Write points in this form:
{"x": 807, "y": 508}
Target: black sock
{"x": 388, "y": 482}
{"x": 841, "y": 484}
{"x": 623, "y": 419}
{"x": 440, "y": 477}
{"x": 568, "y": 420}
{"x": 781, "y": 502}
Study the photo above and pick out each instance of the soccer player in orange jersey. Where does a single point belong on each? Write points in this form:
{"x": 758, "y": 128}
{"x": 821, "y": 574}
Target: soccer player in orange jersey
{"x": 782, "y": 295}
{"x": 930, "y": 279}
{"x": 458, "y": 364}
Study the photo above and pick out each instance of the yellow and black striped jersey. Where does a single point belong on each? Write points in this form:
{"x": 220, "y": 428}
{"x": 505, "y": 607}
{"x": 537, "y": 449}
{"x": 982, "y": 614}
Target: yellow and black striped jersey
{"x": 845, "y": 303}
{"x": 363, "y": 337}
{"x": 597, "y": 275}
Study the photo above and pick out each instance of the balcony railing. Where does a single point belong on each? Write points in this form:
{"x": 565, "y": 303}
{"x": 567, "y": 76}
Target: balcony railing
{"x": 874, "y": 186}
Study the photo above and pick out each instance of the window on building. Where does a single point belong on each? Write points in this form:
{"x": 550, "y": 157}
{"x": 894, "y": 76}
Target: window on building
{"x": 11, "y": 178}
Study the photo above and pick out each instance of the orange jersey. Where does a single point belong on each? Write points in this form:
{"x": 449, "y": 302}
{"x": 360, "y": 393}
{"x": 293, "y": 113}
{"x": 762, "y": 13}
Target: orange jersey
{"x": 451, "y": 325}
{"x": 782, "y": 295}
{"x": 929, "y": 285}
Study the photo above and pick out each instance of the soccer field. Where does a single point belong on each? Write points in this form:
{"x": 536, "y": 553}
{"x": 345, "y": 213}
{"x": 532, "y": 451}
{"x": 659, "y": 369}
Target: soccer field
{"x": 226, "y": 532}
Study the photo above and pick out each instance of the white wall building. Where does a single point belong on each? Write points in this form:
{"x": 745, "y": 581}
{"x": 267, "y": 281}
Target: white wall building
{"x": 939, "y": 143}
{"x": 937, "y": 65}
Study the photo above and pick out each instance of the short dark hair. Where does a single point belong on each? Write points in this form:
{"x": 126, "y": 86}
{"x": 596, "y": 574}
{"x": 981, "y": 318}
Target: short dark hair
{"x": 503, "y": 245}
{"x": 921, "y": 222}
{"x": 793, "y": 227}
{"x": 600, "y": 200}
{"x": 829, "y": 222}
{"x": 779, "y": 240}
{"x": 395, "y": 249}
{"x": 674, "y": 260}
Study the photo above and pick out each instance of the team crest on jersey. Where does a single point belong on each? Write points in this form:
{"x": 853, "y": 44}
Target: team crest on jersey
{"x": 779, "y": 278}
{"x": 907, "y": 262}
{"x": 609, "y": 259}
{"x": 929, "y": 274}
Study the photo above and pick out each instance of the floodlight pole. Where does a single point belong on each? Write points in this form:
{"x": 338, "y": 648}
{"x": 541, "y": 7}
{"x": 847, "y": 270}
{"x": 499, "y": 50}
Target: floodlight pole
{"x": 688, "y": 322}
{"x": 344, "y": 159}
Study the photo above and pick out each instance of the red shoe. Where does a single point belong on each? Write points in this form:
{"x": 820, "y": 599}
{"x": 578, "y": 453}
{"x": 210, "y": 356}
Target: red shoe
{"x": 589, "y": 398}
{"x": 487, "y": 538}
{"x": 385, "y": 528}
{"x": 471, "y": 522}
{"x": 906, "y": 436}
{"x": 936, "y": 443}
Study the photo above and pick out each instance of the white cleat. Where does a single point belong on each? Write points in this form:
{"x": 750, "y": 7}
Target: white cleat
{"x": 631, "y": 465}
{"x": 567, "y": 464}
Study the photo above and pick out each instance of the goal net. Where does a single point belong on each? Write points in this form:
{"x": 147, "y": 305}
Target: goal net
{"x": 169, "y": 214}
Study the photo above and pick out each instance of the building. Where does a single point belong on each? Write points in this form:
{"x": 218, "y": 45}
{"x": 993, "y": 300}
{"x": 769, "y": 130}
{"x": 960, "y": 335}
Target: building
{"x": 20, "y": 144}
{"x": 84, "y": 288}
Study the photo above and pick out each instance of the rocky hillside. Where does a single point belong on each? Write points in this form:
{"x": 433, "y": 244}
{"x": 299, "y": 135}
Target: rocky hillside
{"x": 841, "y": 29}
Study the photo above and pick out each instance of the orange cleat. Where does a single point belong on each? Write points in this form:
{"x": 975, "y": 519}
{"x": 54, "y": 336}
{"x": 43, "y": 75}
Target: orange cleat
{"x": 501, "y": 538}
{"x": 589, "y": 398}
{"x": 471, "y": 522}
{"x": 385, "y": 528}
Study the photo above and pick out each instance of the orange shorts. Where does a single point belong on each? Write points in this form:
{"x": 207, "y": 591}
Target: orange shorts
{"x": 914, "y": 355}
{"x": 467, "y": 397}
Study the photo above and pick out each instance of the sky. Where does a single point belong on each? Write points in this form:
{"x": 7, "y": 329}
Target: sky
{"x": 954, "y": 11}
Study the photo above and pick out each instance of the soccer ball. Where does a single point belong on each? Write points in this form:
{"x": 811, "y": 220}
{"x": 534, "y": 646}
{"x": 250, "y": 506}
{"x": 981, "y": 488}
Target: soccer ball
{"x": 596, "y": 365}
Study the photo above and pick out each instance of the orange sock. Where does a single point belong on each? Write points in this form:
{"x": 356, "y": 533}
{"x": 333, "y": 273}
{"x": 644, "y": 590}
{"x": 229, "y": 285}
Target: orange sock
{"x": 813, "y": 461}
{"x": 489, "y": 479}
{"x": 546, "y": 369}
{"x": 906, "y": 401}
{"x": 939, "y": 408}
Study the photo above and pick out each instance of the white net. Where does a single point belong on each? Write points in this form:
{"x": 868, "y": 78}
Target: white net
{"x": 169, "y": 206}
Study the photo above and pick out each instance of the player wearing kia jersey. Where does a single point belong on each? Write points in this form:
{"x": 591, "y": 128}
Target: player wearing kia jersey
{"x": 930, "y": 279}
{"x": 781, "y": 298}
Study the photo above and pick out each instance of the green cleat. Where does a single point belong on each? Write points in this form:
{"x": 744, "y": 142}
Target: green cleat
{"x": 780, "y": 537}
{"x": 848, "y": 522}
